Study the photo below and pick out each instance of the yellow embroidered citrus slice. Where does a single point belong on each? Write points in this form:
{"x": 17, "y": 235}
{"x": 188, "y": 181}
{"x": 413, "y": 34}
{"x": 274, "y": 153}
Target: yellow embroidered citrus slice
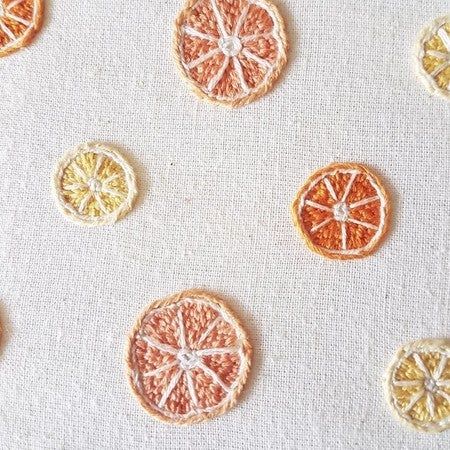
{"x": 342, "y": 211}
{"x": 20, "y": 20}
{"x": 94, "y": 185}
{"x": 433, "y": 56}
{"x": 230, "y": 51}
{"x": 188, "y": 358}
{"x": 418, "y": 385}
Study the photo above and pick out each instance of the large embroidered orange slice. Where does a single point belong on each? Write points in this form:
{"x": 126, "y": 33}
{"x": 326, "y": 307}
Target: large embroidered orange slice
{"x": 418, "y": 385}
{"x": 433, "y": 57}
{"x": 342, "y": 211}
{"x": 188, "y": 358}
{"x": 20, "y": 20}
{"x": 230, "y": 51}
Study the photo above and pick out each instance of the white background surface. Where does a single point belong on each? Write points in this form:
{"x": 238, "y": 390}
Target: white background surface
{"x": 216, "y": 187}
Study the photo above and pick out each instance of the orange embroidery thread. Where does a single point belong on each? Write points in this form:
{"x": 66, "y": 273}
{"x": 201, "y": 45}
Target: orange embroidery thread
{"x": 20, "y": 20}
{"x": 188, "y": 358}
{"x": 342, "y": 211}
{"x": 230, "y": 51}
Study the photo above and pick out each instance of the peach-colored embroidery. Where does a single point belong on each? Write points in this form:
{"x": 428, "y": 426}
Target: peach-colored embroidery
{"x": 342, "y": 211}
{"x": 188, "y": 358}
{"x": 230, "y": 51}
{"x": 20, "y": 20}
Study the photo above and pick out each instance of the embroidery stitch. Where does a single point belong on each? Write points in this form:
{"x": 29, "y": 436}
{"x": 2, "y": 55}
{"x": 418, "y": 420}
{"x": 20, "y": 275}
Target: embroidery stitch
{"x": 417, "y": 385}
{"x": 188, "y": 358}
{"x": 20, "y": 20}
{"x": 432, "y": 57}
{"x": 342, "y": 211}
{"x": 94, "y": 185}
{"x": 230, "y": 51}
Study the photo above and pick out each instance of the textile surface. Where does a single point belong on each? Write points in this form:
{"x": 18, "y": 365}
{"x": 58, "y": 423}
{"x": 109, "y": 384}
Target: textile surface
{"x": 213, "y": 212}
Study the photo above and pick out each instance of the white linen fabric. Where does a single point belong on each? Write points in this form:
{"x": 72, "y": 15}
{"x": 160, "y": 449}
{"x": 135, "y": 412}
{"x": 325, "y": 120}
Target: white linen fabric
{"x": 213, "y": 212}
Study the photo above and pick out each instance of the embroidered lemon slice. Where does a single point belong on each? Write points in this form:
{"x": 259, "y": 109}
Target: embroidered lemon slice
{"x": 188, "y": 358}
{"x": 230, "y": 51}
{"x": 342, "y": 211}
{"x": 94, "y": 185}
{"x": 418, "y": 385}
{"x": 20, "y": 20}
{"x": 432, "y": 57}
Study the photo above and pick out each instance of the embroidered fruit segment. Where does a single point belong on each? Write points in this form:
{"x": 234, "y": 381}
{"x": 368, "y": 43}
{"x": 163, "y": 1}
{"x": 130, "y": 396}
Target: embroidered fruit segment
{"x": 231, "y": 51}
{"x": 95, "y": 185}
{"x": 341, "y": 211}
{"x": 19, "y": 22}
{"x": 434, "y": 56}
{"x": 188, "y": 358}
{"x": 418, "y": 385}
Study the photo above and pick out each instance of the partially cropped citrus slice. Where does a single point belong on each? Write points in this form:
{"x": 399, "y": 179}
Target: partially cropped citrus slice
{"x": 230, "y": 51}
{"x": 94, "y": 185}
{"x": 433, "y": 56}
{"x": 188, "y": 358}
{"x": 418, "y": 385}
{"x": 342, "y": 211}
{"x": 19, "y": 22}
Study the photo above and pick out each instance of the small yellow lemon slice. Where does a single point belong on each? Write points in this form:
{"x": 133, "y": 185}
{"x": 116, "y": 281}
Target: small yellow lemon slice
{"x": 418, "y": 385}
{"x": 94, "y": 185}
{"x": 432, "y": 57}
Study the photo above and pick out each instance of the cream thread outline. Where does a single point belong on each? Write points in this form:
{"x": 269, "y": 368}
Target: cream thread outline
{"x": 427, "y": 32}
{"x": 243, "y": 351}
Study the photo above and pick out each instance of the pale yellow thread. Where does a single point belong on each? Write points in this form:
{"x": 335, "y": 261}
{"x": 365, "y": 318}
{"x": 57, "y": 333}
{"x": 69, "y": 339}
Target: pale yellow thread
{"x": 432, "y": 57}
{"x": 94, "y": 185}
{"x": 418, "y": 385}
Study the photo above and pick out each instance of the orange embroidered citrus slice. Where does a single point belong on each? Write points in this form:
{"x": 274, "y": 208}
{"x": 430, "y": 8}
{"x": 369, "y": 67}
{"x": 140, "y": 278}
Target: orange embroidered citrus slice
{"x": 342, "y": 211}
{"x": 94, "y": 185}
{"x": 418, "y": 385}
{"x": 230, "y": 51}
{"x": 433, "y": 57}
{"x": 188, "y": 358}
{"x": 20, "y": 20}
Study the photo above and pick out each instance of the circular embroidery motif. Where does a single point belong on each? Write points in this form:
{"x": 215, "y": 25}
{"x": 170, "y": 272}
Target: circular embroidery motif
{"x": 230, "y": 51}
{"x": 188, "y": 358}
{"x": 433, "y": 57}
{"x": 418, "y": 385}
{"x": 20, "y": 20}
{"x": 94, "y": 185}
{"x": 342, "y": 211}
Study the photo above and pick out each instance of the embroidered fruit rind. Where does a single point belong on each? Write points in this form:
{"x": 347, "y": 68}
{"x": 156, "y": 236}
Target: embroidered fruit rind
{"x": 20, "y": 20}
{"x": 418, "y": 385}
{"x": 432, "y": 57}
{"x": 188, "y": 358}
{"x": 230, "y": 51}
{"x": 94, "y": 185}
{"x": 342, "y": 211}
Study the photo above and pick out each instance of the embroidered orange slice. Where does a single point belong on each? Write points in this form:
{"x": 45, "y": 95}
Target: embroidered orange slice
{"x": 20, "y": 20}
{"x": 230, "y": 51}
{"x": 433, "y": 57}
{"x": 418, "y": 385}
{"x": 342, "y": 211}
{"x": 94, "y": 185}
{"x": 188, "y": 358}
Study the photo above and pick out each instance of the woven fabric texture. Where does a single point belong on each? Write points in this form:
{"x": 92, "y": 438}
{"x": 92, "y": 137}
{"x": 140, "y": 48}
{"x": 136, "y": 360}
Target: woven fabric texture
{"x": 213, "y": 212}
